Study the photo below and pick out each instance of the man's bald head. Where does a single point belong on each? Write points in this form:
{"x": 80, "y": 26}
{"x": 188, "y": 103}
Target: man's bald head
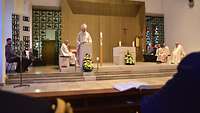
{"x": 66, "y": 42}
{"x": 83, "y": 27}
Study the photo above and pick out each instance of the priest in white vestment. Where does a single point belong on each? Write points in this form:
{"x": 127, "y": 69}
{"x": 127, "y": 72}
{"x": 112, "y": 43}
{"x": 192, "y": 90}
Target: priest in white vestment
{"x": 177, "y": 54}
{"x": 64, "y": 51}
{"x": 84, "y": 44}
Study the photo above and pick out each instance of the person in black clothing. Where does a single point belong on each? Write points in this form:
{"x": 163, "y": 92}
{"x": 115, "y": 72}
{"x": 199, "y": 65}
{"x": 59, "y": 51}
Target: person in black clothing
{"x": 12, "y": 57}
{"x": 17, "y": 103}
{"x": 181, "y": 94}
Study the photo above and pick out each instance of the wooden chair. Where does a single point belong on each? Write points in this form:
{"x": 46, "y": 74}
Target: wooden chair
{"x": 64, "y": 62}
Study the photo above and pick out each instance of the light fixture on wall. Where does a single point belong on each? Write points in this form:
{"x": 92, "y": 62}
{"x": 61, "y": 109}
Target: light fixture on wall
{"x": 191, "y": 3}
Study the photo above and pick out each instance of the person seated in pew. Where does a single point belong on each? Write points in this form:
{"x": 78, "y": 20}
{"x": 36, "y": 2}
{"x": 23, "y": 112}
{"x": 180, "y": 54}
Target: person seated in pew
{"x": 180, "y": 94}
{"x": 11, "y": 57}
{"x": 65, "y": 51}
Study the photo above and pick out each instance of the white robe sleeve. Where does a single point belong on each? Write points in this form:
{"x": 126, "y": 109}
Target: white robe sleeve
{"x": 64, "y": 50}
{"x": 89, "y": 38}
{"x": 78, "y": 41}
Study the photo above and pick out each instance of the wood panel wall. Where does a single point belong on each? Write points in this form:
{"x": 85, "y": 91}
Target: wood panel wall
{"x": 114, "y": 28}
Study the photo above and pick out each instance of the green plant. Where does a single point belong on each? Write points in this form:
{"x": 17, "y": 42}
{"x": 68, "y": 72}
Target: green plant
{"x": 87, "y": 63}
{"x": 128, "y": 59}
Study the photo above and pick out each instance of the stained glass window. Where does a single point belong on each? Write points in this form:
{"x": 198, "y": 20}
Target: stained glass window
{"x": 154, "y": 30}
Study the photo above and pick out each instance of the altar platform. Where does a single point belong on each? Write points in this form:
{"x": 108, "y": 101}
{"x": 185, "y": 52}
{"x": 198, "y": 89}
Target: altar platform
{"x": 108, "y": 71}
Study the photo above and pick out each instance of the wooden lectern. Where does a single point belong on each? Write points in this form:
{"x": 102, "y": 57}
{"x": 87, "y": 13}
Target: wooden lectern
{"x": 84, "y": 48}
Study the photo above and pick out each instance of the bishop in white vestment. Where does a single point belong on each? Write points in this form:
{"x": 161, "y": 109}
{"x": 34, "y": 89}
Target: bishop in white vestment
{"x": 84, "y": 44}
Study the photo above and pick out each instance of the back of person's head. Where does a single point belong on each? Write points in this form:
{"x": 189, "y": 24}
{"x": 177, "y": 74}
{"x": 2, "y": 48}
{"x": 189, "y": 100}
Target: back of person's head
{"x": 180, "y": 94}
{"x": 191, "y": 63}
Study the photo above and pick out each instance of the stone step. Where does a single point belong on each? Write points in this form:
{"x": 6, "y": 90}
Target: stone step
{"x": 55, "y": 79}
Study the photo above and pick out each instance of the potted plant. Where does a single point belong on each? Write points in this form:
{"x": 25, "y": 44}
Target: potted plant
{"x": 87, "y": 63}
{"x": 128, "y": 59}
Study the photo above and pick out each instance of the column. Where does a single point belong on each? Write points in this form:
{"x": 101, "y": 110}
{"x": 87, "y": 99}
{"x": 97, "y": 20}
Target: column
{"x": 2, "y": 41}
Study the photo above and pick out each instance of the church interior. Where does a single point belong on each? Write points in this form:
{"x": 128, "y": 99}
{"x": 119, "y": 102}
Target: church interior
{"x": 94, "y": 56}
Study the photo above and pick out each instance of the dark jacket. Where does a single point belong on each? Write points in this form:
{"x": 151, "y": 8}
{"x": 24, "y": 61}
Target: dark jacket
{"x": 17, "y": 103}
{"x": 181, "y": 94}
{"x": 10, "y": 54}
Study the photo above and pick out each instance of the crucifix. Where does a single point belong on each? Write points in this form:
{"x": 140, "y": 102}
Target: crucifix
{"x": 124, "y": 34}
{"x": 125, "y": 30}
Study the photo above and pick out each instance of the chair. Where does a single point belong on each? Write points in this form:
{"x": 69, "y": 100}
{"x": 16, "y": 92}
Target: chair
{"x": 10, "y": 66}
{"x": 64, "y": 62}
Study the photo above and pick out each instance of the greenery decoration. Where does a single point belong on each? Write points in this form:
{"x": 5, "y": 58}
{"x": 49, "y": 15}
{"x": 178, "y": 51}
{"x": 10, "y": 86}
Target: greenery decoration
{"x": 87, "y": 63}
{"x": 128, "y": 59}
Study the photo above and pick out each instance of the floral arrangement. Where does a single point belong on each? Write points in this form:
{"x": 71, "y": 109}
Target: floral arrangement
{"x": 128, "y": 59}
{"x": 87, "y": 63}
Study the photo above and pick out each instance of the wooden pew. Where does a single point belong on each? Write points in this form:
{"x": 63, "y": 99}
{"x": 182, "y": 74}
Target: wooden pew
{"x": 101, "y": 100}
{"x": 96, "y": 101}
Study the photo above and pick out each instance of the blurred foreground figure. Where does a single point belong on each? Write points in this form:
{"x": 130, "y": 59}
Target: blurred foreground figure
{"x": 17, "y": 103}
{"x": 181, "y": 94}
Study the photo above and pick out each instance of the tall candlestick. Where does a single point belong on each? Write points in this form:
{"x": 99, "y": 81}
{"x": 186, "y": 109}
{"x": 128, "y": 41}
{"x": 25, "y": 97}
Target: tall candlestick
{"x": 120, "y": 43}
{"x": 101, "y": 35}
{"x": 133, "y": 44}
{"x": 101, "y": 49}
{"x": 97, "y": 64}
{"x": 97, "y": 59}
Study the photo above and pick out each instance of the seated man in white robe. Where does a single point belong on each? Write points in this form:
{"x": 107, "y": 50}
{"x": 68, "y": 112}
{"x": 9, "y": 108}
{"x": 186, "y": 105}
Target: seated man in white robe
{"x": 65, "y": 51}
{"x": 177, "y": 54}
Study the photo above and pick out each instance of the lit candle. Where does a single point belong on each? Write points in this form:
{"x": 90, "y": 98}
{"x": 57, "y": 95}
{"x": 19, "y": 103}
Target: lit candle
{"x": 133, "y": 44}
{"x": 97, "y": 58}
{"x": 101, "y": 35}
{"x": 120, "y": 43}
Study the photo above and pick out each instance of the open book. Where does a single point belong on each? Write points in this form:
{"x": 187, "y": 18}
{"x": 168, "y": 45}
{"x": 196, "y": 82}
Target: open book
{"x": 128, "y": 85}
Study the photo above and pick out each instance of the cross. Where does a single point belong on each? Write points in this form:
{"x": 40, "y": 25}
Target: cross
{"x": 125, "y": 29}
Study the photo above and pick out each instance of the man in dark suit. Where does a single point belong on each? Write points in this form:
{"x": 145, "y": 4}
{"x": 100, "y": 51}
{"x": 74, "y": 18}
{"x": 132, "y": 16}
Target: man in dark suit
{"x": 181, "y": 94}
{"x": 12, "y": 57}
